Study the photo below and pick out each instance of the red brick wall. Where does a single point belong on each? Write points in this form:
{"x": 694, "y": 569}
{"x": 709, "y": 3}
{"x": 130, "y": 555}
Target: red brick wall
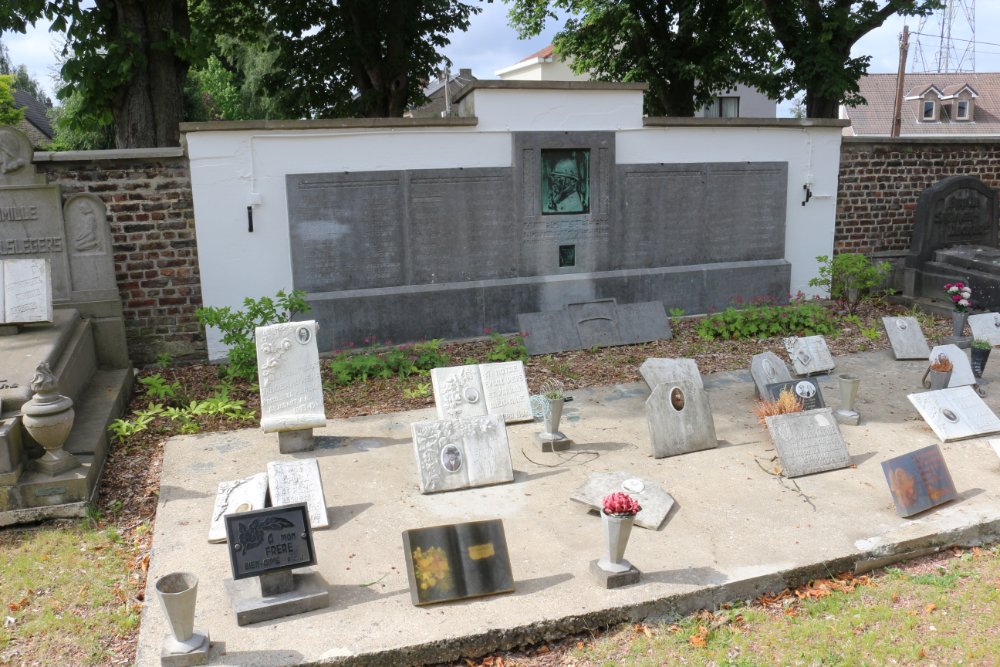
{"x": 881, "y": 181}
{"x": 156, "y": 257}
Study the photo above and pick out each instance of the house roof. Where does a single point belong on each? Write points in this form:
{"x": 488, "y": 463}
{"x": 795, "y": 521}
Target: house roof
{"x": 34, "y": 112}
{"x": 875, "y": 117}
{"x": 538, "y": 55}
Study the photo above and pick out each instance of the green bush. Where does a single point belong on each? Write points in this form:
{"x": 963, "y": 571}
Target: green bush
{"x": 507, "y": 349}
{"x": 850, "y": 277}
{"x": 237, "y": 326}
{"x": 417, "y": 359}
{"x": 799, "y": 318}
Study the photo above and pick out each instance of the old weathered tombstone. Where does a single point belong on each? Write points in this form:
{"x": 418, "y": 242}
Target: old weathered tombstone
{"x": 291, "y": 389}
{"x": 986, "y": 326}
{"x": 658, "y": 371}
{"x": 25, "y": 291}
{"x": 809, "y": 354}
{"x": 298, "y": 482}
{"x": 805, "y": 389}
{"x": 808, "y": 442}
{"x": 955, "y": 413}
{"x": 457, "y": 561}
{"x": 269, "y": 544}
{"x": 919, "y": 480}
{"x": 601, "y": 323}
{"x": 656, "y": 503}
{"x": 767, "y": 368}
{"x": 480, "y": 389}
{"x": 679, "y": 416}
{"x": 961, "y": 373}
{"x": 238, "y": 495}
{"x": 906, "y": 338}
{"x": 461, "y": 453}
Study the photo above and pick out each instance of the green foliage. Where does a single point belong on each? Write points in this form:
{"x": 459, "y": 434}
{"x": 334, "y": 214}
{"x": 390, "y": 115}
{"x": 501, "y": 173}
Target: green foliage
{"x": 981, "y": 344}
{"x": 401, "y": 361}
{"x": 676, "y": 312}
{"x": 871, "y": 333}
{"x": 73, "y": 132}
{"x": 9, "y": 113}
{"x": 799, "y": 318}
{"x": 158, "y": 388}
{"x": 163, "y": 360}
{"x": 422, "y": 390}
{"x": 850, "y": 277}
{"x": 507, "y": 349}
{"x": 237, "y": 326}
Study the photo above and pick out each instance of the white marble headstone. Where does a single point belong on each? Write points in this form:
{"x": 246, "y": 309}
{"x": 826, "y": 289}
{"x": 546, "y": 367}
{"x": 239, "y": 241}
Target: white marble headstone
{"x": 462, "y": 453}
{"x": 809, "y": 354}
{"x": 659, "y": 370}
{"x": 679, "y": 416}
{"x": 995, "y": 444}
{"x": 986, "y": 326}
{"x": 955, "y": 414}
{"x": 961, "y": 373}
{"x": 291, "y": 390}
{"x": 238, "y": 495}
{"x": 767, "y": 368}
{"x": 482, "y": 389}
{"x": 655, "y": 502}
{"x": 808, "y": 442}
{"x": 25, "y": 291}
{"x": 906, "y": 337}
{"x": 298, "y": 481}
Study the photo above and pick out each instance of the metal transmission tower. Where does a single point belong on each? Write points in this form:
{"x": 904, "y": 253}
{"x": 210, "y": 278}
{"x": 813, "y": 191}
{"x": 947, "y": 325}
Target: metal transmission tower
{"x": 946, "y": 40}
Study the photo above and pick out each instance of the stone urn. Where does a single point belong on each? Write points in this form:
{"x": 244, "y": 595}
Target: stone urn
{"x": 48, "y": 419}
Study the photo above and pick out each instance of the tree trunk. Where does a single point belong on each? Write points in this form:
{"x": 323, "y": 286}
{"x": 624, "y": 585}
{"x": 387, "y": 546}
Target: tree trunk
{"x": 148, "y": 111}
{"x": 818, "y": 106}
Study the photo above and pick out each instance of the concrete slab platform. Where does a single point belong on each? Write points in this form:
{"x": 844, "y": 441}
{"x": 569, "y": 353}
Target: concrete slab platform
{"x": 737, "y": 530}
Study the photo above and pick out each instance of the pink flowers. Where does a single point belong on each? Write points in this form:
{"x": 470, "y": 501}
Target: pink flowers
{"x": 620, "y": 504}
{"x": 960, "y": 294}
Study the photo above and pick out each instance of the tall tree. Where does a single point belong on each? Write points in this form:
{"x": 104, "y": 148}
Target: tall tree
{"x": 686, "y": 50}
{"x": 10, "y": 114}
{"x": 816, "y": 37}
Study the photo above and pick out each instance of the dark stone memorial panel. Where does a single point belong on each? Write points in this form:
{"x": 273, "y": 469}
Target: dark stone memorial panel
{"x": 806, "y": 390}
{"x": 919, "y": 480}
{"x": 602, "y": 323}
{"x": 959, "y": 210}
{"x": 267, "y": 540}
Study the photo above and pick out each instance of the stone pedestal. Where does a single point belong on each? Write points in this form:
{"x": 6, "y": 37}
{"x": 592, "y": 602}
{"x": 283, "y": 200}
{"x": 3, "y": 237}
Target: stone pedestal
{"x": 307, "y": 593}
{"x": 292, "y": 442}
{"x": 611, "y": 580}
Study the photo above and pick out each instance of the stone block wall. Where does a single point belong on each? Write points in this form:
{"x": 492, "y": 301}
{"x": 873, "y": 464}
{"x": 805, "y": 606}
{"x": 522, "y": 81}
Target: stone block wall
{"x": 151, "y": 214}
{"x": 881, "y": 181}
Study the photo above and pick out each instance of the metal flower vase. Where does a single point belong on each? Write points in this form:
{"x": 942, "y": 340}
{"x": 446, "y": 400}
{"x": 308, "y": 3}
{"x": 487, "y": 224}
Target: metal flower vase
{"x": 937, "y": 379}
{"x": 553, "y": 414}
{"x": 177, "y": 593}
{"x": 846, "y": 414}
{"x": 979, "y": 357}
{"x": 958, "y": 319}
{"x": 617, "y": 529}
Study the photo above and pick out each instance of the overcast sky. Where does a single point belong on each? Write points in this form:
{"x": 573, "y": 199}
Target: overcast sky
{"x": 490, "y": 44}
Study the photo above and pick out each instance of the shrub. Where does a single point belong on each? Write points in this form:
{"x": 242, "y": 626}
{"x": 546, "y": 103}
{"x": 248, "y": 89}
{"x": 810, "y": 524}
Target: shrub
{"x": 799, "y": 318}
{"x": 849, "y": 277}
{"x": 401, "y": 361}
{"x": 507, "y": 349}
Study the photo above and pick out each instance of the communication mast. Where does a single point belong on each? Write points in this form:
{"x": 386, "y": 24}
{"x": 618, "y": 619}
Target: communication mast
{"x": 945, "y": 41}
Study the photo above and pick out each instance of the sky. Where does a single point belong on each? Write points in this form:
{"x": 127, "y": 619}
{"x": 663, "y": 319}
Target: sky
{"x": 490, "y": 44}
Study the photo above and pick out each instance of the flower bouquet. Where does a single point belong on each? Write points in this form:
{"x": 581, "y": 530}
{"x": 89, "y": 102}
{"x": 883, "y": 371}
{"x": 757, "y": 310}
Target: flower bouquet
{"x": 960, "y": 295}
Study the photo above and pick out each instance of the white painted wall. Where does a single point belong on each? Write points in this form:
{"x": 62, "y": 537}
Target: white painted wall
{"x": 541, "y": 69}
{"x": 753, "y": 103}
{"x": 534, "y": 110}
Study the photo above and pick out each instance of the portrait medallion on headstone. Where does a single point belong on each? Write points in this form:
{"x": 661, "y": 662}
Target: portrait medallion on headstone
{"x": 806, "y": 390}
{"x": 906, "y": 338}
{"x": 291, "y": 390}
{"x": 767, "y": 368}
{"x": 240, "y": 495}
{"x": 955, "y": 413}
{"x": 679, "y": 417}
{"x": 296, "y": 482}
{"x": 655, "y": 502}
{"x": 660, "y": 370}
{"x": 961, "y": 373}
{"x": 808, "y": 442}
{"x": 25, "y": 291}
{"x": 919, "y": 480}
{"x": 809, "y": 354}
{"x": 986, "y": 326}
{"x": 461, "y": 453}
{"x": 480, "y": 389}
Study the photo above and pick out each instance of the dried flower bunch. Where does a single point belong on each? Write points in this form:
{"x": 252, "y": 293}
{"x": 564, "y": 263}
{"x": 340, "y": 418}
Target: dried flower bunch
{"x": 942, "y": 363}
{"x": 552, "y": 389}
{"x": 621, "y": 504}
{"x": 787, "y": 403}
{"x": 960, "y": 295}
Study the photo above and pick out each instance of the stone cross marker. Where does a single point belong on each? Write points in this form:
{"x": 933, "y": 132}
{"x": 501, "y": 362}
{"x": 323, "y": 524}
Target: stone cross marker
{"x": 298, "y": 482}
{"x": 240, "y": 495}
{"x": 679, "y": 416}
{"x": 986, "y": 326}
{"x": 655, "y": 502}
{"x": 658, "y": 371}
{"x": 955, "y": 414}
{"x": 481, "y": 389}
{"x": 906, "y": 338}
{"x": 767, "y": 368}
{"x": 462, "y": 453}
{"x": 25, "y": 291}
{"x": 961, "y": 374}
{"x": 808, "y": 442}
{"x": 809, "y": 355}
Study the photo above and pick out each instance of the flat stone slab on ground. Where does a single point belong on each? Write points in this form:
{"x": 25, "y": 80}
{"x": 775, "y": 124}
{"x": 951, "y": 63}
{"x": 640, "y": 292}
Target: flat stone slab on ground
{"x": 298, "y": 482}
{"x": 767, "y": 368}
{"x": 961, "y": 374}
{"x": 461, "y": 453}
{"x": 680, "y": 419}
{"x": 906, "y": 338}
{"x": 809, "y": 354}
{"x": 986, "y": 326}
{"x": 808, "y": 442}
{"x": 239, "y": 495}
{"x": 955, "y": 413}
{"x": 655, "y": 502}
{"x": 657, "y": 371}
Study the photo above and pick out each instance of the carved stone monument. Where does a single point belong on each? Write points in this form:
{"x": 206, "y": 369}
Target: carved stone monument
{"x": 480, "y": 389}
{"x": 679, "y": 416}
{"x": 603, "y": 323}
{"x": 809, "y": 355}
{"x": 955, "y": 414}
{"x": 656, "y": 503}
{"x": 659, "y": 371}
{"x": 240, "y": 495}
{"x": 25, "y": 293}
{"x": 986, "y": 326}
{"x": 906, "y": 338}
{"x": 298, "y": 482}
{"x": 767, "y": 368}
{"x": 462, "y": 453}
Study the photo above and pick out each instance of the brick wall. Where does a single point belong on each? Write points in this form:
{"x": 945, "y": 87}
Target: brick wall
{"x": 148, "y": 196}
{"x": 881, "y": 181}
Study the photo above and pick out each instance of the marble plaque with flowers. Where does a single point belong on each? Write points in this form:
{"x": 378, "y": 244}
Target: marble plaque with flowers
{"x": 461, "y": 453}
{"x": 457, "y": 561}
{"x": 919, "y": 480}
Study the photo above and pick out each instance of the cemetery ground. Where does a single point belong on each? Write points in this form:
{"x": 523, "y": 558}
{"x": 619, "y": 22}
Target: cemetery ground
{"x": 72, "y": 591}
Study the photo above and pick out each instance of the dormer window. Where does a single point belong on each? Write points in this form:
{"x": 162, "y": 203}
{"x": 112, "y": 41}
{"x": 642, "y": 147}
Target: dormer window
{"x": 962, "y": 110}
{"x": 929, "y": 110}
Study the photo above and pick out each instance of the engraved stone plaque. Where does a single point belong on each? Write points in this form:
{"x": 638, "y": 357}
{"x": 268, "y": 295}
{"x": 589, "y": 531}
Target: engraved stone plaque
{"x": 88, "y": 243}
{"x": 506, "y": 390}
{"x": 25, "y": 291}
{"x": 956, "y": 210}
{"x": 906, "y": 338}
{"x": 986, "y": 326}
{"x": 961, "y": 373}
{"x": 955, "y": 413}
{"x": 291, "y": 391}
{"x": 919, "y": 480}
{"x": 458, "y": 392}
{"x": 601, "y": 323}
{"x": 808, "y": 442}
{"x": 767, "y": 368}
{"x": 655, "y": 502}
{"x": 462, "y": 453}
{"x": 298, "y": 482}
{"x": 457, "y": 561}
{"x": 476, "y": 390}
{"x": 809, "y": 355}
{"x": 658, "y": 371}
{"x": 805, "y": 389}
{"x": 239, "y": 495}
{"x": 679, "y": 416}
{"x": 267, "y": 540}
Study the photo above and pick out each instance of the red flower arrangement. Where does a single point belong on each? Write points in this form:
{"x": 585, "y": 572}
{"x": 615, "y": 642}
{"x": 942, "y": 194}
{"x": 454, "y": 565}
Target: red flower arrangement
{"x": 621, "y": 504}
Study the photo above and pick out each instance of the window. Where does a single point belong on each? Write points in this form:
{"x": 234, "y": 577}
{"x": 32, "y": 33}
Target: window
{"x": 726, "y": 107}
{"x": 929, "y": 112}
{"x": 962, "y": 110}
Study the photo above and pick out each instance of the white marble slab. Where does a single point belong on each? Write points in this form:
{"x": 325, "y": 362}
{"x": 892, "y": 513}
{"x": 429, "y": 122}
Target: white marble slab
{"x": 808, "y": 442}
{"x": 660, "y": 370}
{"x": 654, "y": 500}
{"x": 986, "y": 326}
{"x": 26, "y": 289}
{"x": 955, "y": 413}
{"x": 506, "y": 390}
{"x": 767, "y": 368}
{"x": 961, "y": 373}
{"x": 461, "y": 453}
{"x": 298, "y": 482}
{"x": 679, "y": 417}
{"x": 291, "y": 389}
{"x": 238, "y": 495}
{"x": 906, "y": 337}
{"x": 475, "y": 390}
{"x": 809, "y": 354}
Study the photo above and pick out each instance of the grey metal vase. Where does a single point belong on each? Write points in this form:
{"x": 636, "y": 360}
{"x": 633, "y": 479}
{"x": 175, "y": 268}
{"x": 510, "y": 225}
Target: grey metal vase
{"x": 616, "y": 532}
{"x": 958, "y": 320}
{"x": 846, "y": 414}
{"x": 177, "y": 592}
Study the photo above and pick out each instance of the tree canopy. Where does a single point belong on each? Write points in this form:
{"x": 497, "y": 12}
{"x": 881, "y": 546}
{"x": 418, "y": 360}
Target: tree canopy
{"x": 9, "y": 113}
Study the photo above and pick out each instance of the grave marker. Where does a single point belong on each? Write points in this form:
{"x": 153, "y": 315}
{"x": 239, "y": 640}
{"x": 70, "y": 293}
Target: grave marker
{"x": 808, "y": 442}
{"x": 479, "y": 389}
{"x": 810, "y": 355}
{"x": 986, "y": 326}
{"x": 655, "y": 502}
{"x": 240, "y": 495}
{"x": 602, "y": 323}
{"x": 461, "y": 453}
{"x": 955, "y": 413}
{"x": 679, "y": 416}
{"x": 806, "y": 390}
{"x": 919, "y": 480}
{"x": 658, "y": 371}
{"x": 25, "y": 291}
{"x": 961, "y": 374}
{"x": 296, "y": 482}
{"x": 906, "y": 338}
{"x": 767, "y": 368}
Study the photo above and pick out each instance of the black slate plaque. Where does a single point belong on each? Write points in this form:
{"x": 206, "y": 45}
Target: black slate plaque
{"x": 919, "y": 480}
{"x": 276, "y": 538}
{"x": 806, "y": 390}
{"x": 457, "y": 561}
